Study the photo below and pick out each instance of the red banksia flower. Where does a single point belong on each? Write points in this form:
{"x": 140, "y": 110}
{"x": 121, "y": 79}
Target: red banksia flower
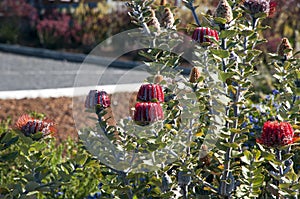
{"x": 276, "y": 134}
{"x": 150, "y": 92}
{"x": 29, "y": 125}
{"x": 97, "y": 98}
{"x": 200, "y": 34}
{"x": 146, "y": 112}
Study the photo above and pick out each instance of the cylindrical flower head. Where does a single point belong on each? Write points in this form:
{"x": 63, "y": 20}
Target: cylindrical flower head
{"x": 200, "y": 34}
{"x": 150, "y": 92}
{"x": 97, "y": 98}
{"x": 283, "y": 47}
{"x": 146, "y": 112}
{"x": 168, "y": 18}
{"x": 257, "y": 6}
{"x": 224, "y": 10}
{"x": 29, "y": 125}
{"x": 276, "y": 134}
{"x": 272, "y": 10}
{"x": 194, "y": 75}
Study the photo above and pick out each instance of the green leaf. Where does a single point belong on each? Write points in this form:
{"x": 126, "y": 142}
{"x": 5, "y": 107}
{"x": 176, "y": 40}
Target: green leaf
{"x": 227, "y": 34}
{"x": 81, "y": 159}
{"x": 225, "y": 75}
{"x": 31, "y": 186}
{"x": 8, "y": 156}
{"x": 220, "y": 53}
{"x": 220, "y": 20}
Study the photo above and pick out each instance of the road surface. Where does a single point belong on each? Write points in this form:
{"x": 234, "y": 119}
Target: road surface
{"x": 18, "y": 72}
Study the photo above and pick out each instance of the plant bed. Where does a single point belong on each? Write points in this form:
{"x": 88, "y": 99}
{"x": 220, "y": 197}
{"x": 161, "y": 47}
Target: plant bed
{"x": 61, "y": 111}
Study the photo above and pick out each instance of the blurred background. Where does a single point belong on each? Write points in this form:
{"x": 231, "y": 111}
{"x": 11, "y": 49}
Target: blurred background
{"x": 77, "y": 25}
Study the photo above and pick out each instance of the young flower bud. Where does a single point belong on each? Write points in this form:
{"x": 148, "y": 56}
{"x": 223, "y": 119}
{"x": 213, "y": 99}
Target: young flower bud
{"x": 200, "y": 34}
{"x": 224, "y": 10}
{"x": 276, "y": 134}
{"x": 285, "y": 49}
{"x": 158, "y": 79}
{"x": 97, "y": 98}
{"x": 257, "y": 6}
{"x": 168, "y": 18}
{"x": 154, "y": 21}
{"x": 150, "y": 92}
{"x": 194, "y": 75}
{"x": 146, "y": 112}
{"x": 29, "y": 126}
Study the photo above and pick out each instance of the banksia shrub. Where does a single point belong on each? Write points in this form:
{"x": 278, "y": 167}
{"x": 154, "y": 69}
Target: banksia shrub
{"x": 146, "y": 112}
{"x": 224, "y": 10}
{"x": 29, "y": 125}
{"x": 200, "y": 34}
{"x": 150, "y": 92}
{"x": 100, "y": 98}
{"x": 285, "y": 49}
{"x": 276, "y": 134}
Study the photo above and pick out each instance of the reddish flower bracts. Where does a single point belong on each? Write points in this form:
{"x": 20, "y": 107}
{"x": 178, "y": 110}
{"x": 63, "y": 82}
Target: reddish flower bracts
{"x": 200, "y": 34}
{"x": 146, "y": 112}
{"x": 150, "y": 92}
{"x": 29, "y": 125}
{"x": 97, "y": 98}
{"x": 276, "y": 134}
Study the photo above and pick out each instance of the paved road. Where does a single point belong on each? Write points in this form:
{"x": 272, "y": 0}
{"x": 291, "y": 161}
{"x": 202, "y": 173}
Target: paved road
{"x": 18, "y": 72}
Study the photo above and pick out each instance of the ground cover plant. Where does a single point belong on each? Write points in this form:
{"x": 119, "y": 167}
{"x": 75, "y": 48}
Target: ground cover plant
{"x": 214, "y": 134}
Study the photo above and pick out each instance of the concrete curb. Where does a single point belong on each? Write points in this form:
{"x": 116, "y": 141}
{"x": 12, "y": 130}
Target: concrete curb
{"x": 68, "y": 92}
{"x": 71, "y": 57}
{"x": 74, "y": 57}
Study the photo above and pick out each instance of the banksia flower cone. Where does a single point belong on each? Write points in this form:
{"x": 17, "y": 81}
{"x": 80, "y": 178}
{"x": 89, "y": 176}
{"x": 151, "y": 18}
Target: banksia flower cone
{"x": 146, "y": 112}
{"x": 257, "y": 6}
{"x": 150, "y": 92}
{"x": 29, "y": 126}
{"x": 224, "y": 10}
{"x": 285, "y": 49}
{"x": 276, "y": 134}
{"x": 200, "y": 34}
{"x": 168, "y": 18}
{"x": 95, "y": 97}
{"x": 194, "y": 75}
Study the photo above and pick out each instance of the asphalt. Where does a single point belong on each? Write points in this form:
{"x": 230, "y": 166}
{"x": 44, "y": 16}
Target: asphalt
{"x": 20, "y": 72}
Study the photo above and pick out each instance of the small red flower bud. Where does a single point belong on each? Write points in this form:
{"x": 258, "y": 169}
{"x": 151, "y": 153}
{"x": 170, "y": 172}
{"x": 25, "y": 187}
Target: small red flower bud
{"x": 29, "y": 125}
{"x": 146, "y": 112}
{"x": 150, "y": 92}
{"x": 276, "y": 134}
{"x": 97, "y": 98}
{"x": 200, "y": 34}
